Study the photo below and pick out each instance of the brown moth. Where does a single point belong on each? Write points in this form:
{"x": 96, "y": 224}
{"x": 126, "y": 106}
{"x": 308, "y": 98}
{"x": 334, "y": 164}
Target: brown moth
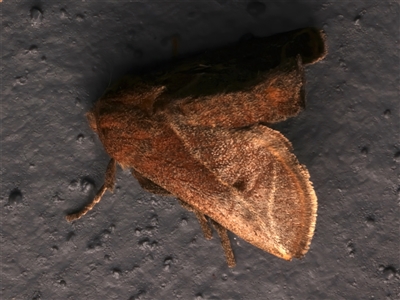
{"x": 197, "y": 130}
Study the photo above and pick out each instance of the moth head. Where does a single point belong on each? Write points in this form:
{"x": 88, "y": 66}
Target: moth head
{"x": 92, "y": 121}
{"x": 310, "y": 43}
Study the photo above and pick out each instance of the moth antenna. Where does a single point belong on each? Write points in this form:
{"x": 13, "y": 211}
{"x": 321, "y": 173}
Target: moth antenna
{"x": 175, "y": 46}
{"x": 109, "y": 83}
{"x": 109, "y": 183}
{"x": 109, "y": 80}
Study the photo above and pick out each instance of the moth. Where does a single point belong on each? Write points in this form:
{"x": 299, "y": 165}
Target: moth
{"x": 197, "y": 130}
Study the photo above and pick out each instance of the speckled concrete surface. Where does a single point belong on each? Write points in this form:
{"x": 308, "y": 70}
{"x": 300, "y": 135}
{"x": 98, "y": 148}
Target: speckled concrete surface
{"x": 58, "y": 58}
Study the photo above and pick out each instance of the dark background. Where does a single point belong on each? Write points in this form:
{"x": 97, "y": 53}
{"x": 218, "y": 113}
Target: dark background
{"x": 58, "y": 57}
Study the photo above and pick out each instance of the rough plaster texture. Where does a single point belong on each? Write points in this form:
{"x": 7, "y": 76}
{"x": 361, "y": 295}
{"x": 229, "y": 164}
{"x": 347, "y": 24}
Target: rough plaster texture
{"x": 58, "y": 57}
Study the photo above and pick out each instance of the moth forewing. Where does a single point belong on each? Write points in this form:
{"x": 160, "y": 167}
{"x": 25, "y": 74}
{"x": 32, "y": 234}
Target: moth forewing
{"x": 272, "y": 205}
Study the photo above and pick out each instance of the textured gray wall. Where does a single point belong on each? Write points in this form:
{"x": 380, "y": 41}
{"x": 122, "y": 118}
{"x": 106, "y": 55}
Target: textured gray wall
{"x": 58, "y": 57}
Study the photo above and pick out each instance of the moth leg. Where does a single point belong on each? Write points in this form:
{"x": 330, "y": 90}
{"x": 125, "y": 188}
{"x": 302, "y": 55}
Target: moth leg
{"x": 109, "y": 183}
{"x": 149, "y": 185}
{"x": 222, "y": 232}
{"x": 205, "y": 227}
{"x": 226, "y": 244}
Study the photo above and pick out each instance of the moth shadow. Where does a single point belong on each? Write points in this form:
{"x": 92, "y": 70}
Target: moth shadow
{"x": 139, "y": 49}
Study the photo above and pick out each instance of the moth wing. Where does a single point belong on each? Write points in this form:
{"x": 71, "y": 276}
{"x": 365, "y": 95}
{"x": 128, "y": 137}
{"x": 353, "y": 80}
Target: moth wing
{"x": 276, "y": 95}
{"x": 276, "y": 207}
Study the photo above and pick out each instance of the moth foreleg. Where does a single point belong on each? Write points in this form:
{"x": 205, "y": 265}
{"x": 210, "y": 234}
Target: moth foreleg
{"x": 109, "y": 183}
{"x": 226, "y": 244}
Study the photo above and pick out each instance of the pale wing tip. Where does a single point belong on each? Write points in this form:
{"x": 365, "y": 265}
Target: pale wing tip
{"x": 319, "y": 45}
{"x": 281, "y": 147}
{"x": 313, "y": 200}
